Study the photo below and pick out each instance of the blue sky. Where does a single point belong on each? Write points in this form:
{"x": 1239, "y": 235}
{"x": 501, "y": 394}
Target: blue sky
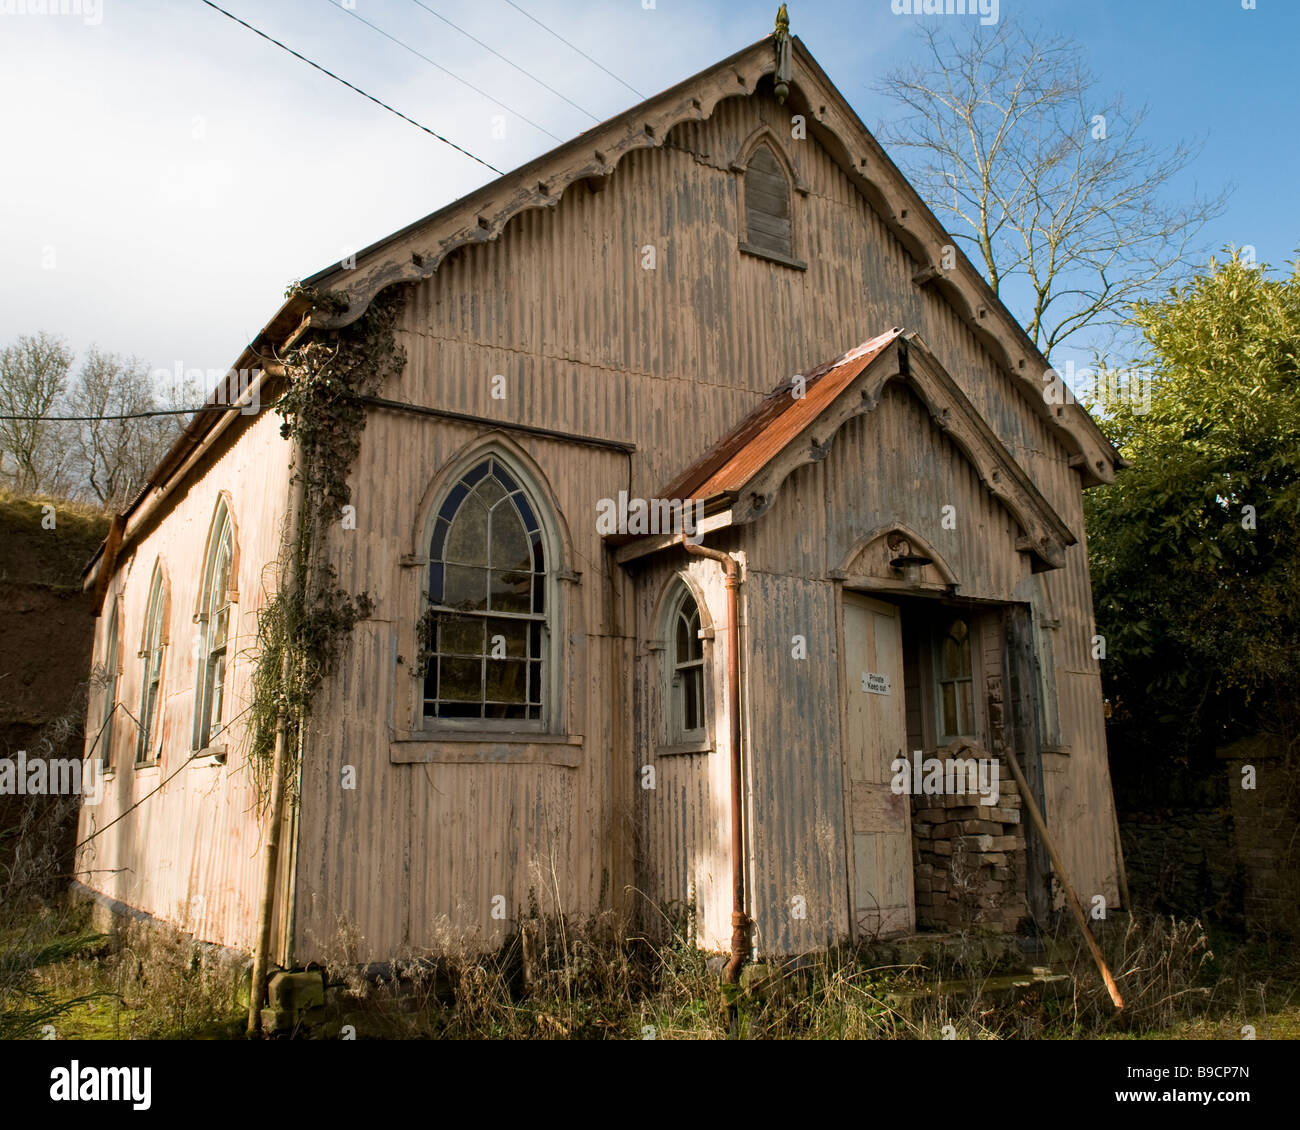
{"x": 167, "y": 173}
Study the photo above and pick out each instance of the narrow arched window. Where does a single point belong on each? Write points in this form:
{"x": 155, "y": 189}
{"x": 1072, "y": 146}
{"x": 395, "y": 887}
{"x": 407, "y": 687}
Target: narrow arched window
{"x": 486, "y": 632}
{"x": 956, "y": 683}
{"x": 767, "y": 204}
{"x": 685, "y": 698}
{"x": 112, "y": 676}
{"x": 148, "y": 746}
{"x": 214, "y": 628}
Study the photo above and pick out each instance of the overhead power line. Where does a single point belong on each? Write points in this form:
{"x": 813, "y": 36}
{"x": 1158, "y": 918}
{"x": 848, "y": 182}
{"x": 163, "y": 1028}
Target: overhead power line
{"x": 498, "y": 54}
{"x": 419, "y": 55}
{"x": 130, "y": 415}
{"x": 350, "y": 86}
{"x": 575, "y": 47}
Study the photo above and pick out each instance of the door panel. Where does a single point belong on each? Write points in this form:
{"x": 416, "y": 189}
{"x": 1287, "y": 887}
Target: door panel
{"x": 880, "y": 820}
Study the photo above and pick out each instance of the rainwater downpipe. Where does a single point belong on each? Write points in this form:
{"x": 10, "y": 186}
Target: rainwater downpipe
{"x": 740, "y": 921}
{"x": 266, "y": 909}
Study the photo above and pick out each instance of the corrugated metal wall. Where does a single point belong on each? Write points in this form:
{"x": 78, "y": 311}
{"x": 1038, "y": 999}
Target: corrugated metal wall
{"x": 669, "y": 359}
{"x": 192, "y": 851}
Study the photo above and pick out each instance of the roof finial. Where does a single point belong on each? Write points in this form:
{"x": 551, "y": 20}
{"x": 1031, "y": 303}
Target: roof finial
{"x": 781, "y": 41}
{"x": 782, "y": 24}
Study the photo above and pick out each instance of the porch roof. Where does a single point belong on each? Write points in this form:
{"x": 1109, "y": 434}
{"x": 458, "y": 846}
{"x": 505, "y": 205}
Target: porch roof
{"x": 738, "y": 477}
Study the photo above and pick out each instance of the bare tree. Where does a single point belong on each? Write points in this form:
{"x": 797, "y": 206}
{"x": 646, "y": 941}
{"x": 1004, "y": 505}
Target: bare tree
{"x": 33, "y": 450}
{"x": 116, "y": 444}
{"x": 1052, "y": 184}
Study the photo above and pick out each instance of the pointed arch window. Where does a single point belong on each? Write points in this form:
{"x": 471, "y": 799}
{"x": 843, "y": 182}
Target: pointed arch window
{"x": 112, "y": 678}
{"x": 685, "y": 670}
{"x": 214, "y": 627}
{"x": 487, "y": 629}
{"x": 769, "y": 218}
{"x": 956, "y": 683}
{"x": 149, "y": 746}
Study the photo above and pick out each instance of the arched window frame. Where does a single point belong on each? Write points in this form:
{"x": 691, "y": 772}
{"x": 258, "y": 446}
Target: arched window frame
{"x": 674, "y": 737}
{"x": 112, "y": 671}
{"x": 153, "y": 646}
{"x": 218, "y": 599}
{"x": 955, "y": 676}
{"x": 553, "y": 714}
{"x": 761, "y": 139}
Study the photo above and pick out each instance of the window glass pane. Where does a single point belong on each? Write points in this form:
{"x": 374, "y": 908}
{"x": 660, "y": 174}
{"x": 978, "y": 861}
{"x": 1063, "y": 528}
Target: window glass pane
{"x": 460, "y": 636}
{"x": 507, "y": 680}
{"x": 694, "y": 698}
{"x": 512, "y": 635}
{"x": 967, "y": 718}
{"x": 217, "y": 677}
{"x": 949, "y": 710}
{"x": 454, "y": 498}
{"x": 473, "y": 477}
{"x": 526, "y": 513}
{"x": 220, "y": 623}
{"x": 511, "y": 548}
{"x": 440, "y": 528}
{"x": 490, "y": 492}
{"x": 466, "y": 587}
{"x": 683, "y": 639}
{"x": 950, "y": 662}
{"x": 506, "y": 478}
{"x": 460, "y": 680}
{"x": 220, "y": 584}
{"x": 467, "y": 538}
{"x": 512, "y": 591}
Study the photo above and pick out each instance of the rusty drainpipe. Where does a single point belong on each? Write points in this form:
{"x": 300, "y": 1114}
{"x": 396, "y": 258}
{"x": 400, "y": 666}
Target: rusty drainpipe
{"x": 740, "y": 921}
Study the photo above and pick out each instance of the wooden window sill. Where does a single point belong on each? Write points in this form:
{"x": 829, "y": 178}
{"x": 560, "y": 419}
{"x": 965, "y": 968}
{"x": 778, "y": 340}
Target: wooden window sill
{"x": 773, "y": 256}
{"x": 505, "y": 748}
{"x": 209, "y": 755}
{"x": 704, "y": 746}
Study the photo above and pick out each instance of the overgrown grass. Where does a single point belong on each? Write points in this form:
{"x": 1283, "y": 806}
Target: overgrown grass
{"x": 554, "y": 980}
{"x": 149, "y": 981}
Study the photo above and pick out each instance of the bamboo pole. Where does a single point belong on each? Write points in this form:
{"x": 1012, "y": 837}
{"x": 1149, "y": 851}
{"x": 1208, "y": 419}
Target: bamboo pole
{"x": 1077, "y": 907}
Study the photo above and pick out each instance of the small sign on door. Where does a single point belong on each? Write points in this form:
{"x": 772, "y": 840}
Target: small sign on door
{"x": 875, "y": 684}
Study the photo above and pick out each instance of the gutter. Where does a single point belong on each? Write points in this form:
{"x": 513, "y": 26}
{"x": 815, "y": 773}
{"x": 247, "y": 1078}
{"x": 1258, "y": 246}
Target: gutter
{"x": 740, "y": 920}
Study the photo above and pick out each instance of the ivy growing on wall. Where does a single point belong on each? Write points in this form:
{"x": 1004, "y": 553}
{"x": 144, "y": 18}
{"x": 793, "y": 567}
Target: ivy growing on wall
{"x": 304, "y": 625}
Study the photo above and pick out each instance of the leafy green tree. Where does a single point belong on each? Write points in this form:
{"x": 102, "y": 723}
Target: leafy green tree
{"x": 1195, "y": 550}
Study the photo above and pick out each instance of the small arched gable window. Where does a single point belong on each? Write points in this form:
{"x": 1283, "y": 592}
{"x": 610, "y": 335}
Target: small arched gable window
{"x": 149, "y": 746}
{"x": 112, "y": 677}
{"x": 956, "y": 683}
{"x": 767, "y": 205}
{"x": 214, "y": 621}
{"x": 684, "y": 669}
{"x": 487, "y": 631}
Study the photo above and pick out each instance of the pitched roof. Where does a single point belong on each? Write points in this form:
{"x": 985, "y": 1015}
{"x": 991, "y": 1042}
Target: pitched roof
{"x": 740, "y": 475}
{"x": 734, "y": 460}
{"x": 416, "y": 251}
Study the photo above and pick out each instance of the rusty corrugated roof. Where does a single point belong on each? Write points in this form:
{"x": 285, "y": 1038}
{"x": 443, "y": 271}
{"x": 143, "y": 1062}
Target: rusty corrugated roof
{"x": 736, "y": 458}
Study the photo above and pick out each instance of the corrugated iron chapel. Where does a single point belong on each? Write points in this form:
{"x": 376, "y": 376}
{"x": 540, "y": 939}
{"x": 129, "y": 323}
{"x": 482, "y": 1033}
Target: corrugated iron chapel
{"x": 727, "y": 297}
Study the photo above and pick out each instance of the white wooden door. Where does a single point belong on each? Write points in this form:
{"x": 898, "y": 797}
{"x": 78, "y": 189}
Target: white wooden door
{"x": 880, "y": 820}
